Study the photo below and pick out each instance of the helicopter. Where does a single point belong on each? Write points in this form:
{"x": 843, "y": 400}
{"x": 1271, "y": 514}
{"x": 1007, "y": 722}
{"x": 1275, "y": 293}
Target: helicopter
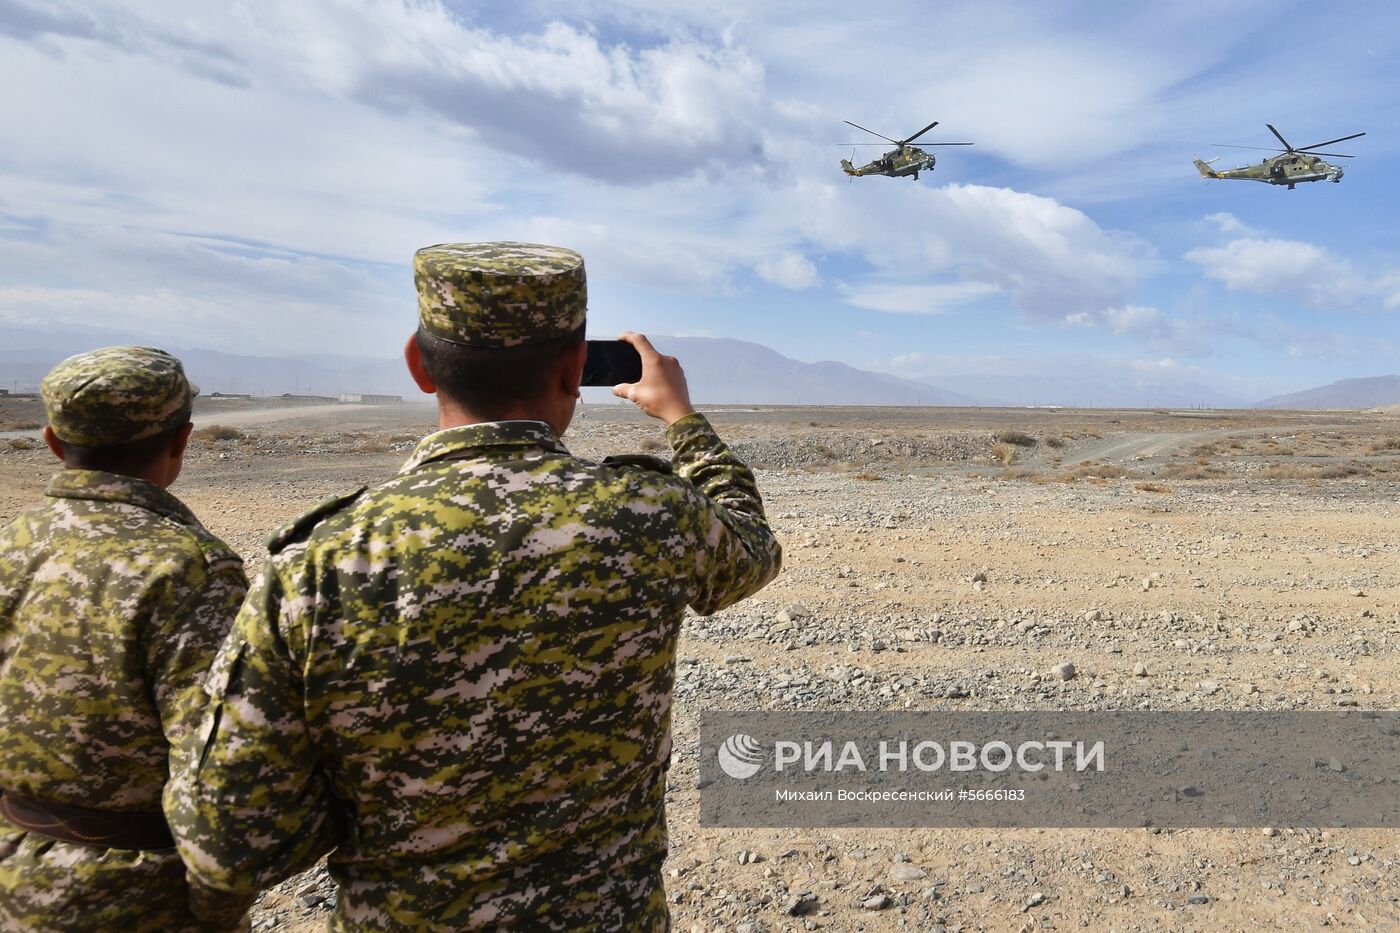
{"x": 902, "y": 160}
{"x": 1290, "y": 167}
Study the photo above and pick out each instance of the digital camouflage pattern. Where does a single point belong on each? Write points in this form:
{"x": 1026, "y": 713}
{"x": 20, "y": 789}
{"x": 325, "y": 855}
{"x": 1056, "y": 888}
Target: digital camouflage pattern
{"x": 499, "y": 294}
{"x": 462, "y": 677}
{"x": 113, "y": 603}
{"x": 116, "y": 395}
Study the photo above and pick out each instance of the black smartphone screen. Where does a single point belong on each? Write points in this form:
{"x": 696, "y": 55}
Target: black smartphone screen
{"x": 610, "y": 362}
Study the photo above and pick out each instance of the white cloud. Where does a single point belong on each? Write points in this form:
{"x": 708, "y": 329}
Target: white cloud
{"x": 559, "y": 96}
{"x": 270, "y": 167}
{"x": 1136, "y": 320}
{"x": 790, "y": 270}
{"x": 1304, "y": 271}
{"x": 1049, "y": 259}
{"x": 907, "y": 363}
{"x": 1229, "y": 224}
{"x": 916, "y": 299}
{"x": 1150, "y": 326}
{"x": 1164, "y": 365}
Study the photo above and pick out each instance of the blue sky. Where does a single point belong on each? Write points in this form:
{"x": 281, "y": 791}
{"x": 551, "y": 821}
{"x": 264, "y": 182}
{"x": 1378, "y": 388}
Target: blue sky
{"x": 255, "y": 177}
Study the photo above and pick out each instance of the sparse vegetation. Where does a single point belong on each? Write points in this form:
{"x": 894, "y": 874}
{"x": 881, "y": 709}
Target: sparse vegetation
{"x": 1004, "y": 452}
{"x": 1311, "y": 471}
{"x": 1054, "y": 443}
{"x": 22, "y": 443}
{"x": 1017, "y": 438}
{"x": 1201, "y": 469}
{"x": 217, "y": 432}
{"x": 652, "y": 445}
{"x": 1152, "y": 487}
{"x": 867, "y": 476}
{"x": 1089, "y": 470}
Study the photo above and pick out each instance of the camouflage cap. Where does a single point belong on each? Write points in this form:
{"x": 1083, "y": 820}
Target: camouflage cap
{"x": 116, "y": 395}
{"x": 499, "y": 294}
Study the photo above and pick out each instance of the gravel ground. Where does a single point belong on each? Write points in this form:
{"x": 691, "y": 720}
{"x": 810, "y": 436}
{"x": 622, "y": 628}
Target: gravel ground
{"x": 922, "y": 574}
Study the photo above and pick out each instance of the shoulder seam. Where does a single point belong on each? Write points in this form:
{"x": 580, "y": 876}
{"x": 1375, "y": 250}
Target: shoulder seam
{"x": 304, "y": 524}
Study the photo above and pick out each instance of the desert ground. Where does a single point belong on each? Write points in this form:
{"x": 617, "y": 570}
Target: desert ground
{"x": 950, "y": 559}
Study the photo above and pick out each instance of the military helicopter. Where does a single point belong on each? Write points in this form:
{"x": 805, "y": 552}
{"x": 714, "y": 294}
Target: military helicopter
{"x": 1289, "y": 168}
{"x": 902, "y": 160}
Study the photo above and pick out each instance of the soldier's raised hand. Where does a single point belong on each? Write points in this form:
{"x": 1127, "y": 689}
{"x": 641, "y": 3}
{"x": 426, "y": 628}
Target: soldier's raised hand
{"x": 661, "y": 392}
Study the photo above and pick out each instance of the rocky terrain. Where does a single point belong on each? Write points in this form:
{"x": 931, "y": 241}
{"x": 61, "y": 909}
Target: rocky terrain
{"x": 950, "y": 559}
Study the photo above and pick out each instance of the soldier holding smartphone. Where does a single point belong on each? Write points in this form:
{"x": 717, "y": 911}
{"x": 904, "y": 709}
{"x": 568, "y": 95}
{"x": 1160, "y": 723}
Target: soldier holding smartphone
{"x": 460, "y": 680}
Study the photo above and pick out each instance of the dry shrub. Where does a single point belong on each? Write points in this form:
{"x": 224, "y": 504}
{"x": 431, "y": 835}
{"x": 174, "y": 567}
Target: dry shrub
{"x": 1199, "y": 470}
{"x": 823, "y": 451}
{"x": 22, "y": 443}
{"x": 1319, "y": 471}
{"x": 1054, "y": 443}
{"x": 1016, "y": 438}
{"x": 1094, "y": 472}
{"x": 1383, "y": 446}
{"x": 1004, "y": 452}
{"x": 217, "y": 432}
{"x": 1152, "y": 487}
{"x": 653, "y": 444}
{"x": 23, "y": 426}
{"x": 868, "y": 477}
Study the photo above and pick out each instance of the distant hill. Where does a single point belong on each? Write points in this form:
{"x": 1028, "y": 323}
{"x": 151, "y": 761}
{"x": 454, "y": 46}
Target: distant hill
{"x": 722, "y": 370}
{"x": 1370, "y": 392}
{"x": 213, "y": 372}
{"x": 1103, "y": 389}
{"x": 718, "y": 371}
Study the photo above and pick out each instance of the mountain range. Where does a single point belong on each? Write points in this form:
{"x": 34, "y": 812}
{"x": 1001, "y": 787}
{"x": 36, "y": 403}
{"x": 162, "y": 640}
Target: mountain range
{"x": 1372, "y": 392}
{"x": 719, "y": 370}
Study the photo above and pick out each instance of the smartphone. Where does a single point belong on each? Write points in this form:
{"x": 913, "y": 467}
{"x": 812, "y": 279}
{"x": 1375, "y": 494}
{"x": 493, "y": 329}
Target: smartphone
{"x": 610, "y": 362}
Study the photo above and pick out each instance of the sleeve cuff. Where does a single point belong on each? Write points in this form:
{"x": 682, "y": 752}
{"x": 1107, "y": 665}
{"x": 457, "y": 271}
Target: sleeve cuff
{"x": 688, "y": 428}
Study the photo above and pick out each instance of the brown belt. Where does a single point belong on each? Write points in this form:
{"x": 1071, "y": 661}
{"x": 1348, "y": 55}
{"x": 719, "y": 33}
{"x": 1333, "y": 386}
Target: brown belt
{"x": 105, "y": 828}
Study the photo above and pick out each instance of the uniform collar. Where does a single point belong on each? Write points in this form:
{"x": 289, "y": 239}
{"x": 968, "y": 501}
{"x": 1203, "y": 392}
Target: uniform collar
{"x": 465, "y": 441}
{"x": 114, "y": 487}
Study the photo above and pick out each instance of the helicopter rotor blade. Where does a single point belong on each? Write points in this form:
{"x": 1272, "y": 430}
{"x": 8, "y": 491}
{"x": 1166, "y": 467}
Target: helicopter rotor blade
{"x": 872, "y": 132}
{"x": 1260, "y": 148}
{"x": 950, "y": 144}
{"x": 918, "y": 134}
{"x": 1286, "y": 146}
{"x": 1334, "y": 155}
{"x": 1329, "y": 142}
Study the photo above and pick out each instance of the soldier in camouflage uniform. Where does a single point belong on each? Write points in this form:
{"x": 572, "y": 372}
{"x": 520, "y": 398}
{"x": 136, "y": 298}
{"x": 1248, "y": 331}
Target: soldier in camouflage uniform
{"x": 113, "y": 602}
{"x": 460, "y": 679}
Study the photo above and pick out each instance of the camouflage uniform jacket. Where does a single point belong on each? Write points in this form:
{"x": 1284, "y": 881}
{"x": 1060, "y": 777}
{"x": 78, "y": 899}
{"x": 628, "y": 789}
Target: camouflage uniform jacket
{"x": 462, "y": 679}
{"x": 113, "y": 603}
